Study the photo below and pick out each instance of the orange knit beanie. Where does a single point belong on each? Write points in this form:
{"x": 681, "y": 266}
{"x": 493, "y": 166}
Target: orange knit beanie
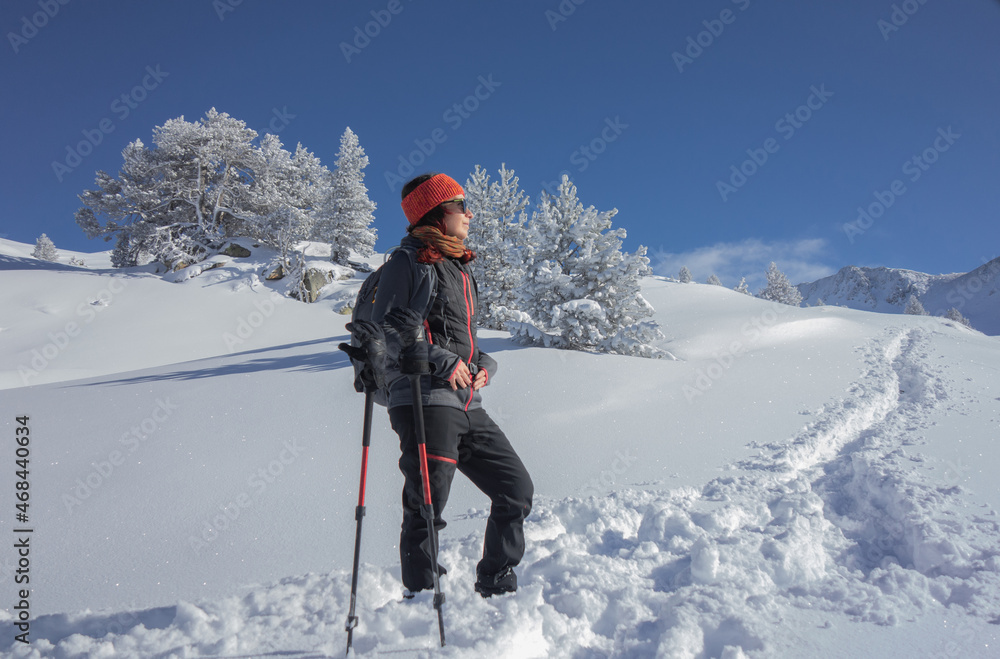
{"x": 430, "y": 193}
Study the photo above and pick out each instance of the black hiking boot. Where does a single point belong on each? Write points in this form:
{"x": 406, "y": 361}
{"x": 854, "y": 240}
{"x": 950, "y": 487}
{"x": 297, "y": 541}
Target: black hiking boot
{"x": 504, "y": 581}
{"x": 410, "y": 594}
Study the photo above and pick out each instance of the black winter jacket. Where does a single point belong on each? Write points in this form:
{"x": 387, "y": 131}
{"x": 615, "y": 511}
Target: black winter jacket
{"x": 445, "y": 295}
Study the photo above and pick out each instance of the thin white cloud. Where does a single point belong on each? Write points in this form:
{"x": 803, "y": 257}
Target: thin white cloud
{"x": 800, "y": 260}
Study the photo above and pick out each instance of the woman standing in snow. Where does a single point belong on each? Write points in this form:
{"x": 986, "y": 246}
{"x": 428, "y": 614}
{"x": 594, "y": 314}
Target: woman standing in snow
{"x": 430, "y": 275}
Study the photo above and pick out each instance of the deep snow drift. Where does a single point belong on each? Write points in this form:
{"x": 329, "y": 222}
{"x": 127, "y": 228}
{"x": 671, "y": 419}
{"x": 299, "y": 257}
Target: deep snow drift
{"x": 801, "y": 482}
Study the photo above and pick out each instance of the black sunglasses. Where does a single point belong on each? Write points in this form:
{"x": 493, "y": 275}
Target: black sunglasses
{"x": 461, "y": 204}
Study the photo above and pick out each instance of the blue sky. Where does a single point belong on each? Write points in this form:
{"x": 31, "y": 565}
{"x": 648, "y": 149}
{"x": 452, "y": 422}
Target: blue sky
{"x": 727, "y": 133}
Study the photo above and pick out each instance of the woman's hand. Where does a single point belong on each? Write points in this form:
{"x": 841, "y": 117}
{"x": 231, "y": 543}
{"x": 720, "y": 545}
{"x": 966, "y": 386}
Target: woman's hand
{"x": 480, "y": 380}
{"x": 461, "y": 377}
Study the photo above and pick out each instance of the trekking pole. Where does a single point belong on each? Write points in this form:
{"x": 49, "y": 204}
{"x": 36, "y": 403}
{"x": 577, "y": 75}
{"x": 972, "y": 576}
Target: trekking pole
{"x": 427, "y": 509}
{"x": 368, "y": 355}
{"x": 359, "y": 513}
{"x": 413, "y": 363}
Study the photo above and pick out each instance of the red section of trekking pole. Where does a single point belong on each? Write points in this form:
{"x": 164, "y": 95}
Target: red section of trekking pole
{"x": 364, "y": 476}
{"x": 425, "y": 481}
{"x": 359, "y": 513}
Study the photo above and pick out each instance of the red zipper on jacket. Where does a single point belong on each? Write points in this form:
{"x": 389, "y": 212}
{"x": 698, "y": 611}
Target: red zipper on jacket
{"x": 467, "y": 294}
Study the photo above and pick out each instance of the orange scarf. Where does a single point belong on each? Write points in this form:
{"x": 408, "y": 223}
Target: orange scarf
{"x": 437, "y": 246}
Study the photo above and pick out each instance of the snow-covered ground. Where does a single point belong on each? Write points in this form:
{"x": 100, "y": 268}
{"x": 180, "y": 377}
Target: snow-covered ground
{"x": 800, "y": 483}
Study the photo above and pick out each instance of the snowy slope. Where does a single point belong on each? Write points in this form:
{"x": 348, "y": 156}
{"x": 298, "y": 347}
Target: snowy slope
{"x": 802, "y": 482}
{"x": 887, "y": 290}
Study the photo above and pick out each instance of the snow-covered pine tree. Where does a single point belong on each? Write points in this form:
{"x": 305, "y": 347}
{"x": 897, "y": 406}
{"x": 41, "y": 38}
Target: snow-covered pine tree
{"x": 684, "y": 276}
{"x": 956, "y": 315}
{"x": 712, "y": 279}
{"x": 177, "y": 201}
{"x": 289, "y": 191}
{"x": 347, "y": 220}
{"x": 581, "y": 292}
{"x": 742, "y": 287}
{"x": 914, "y": 307}
{"x": 498, "y": 236}
{"x": 779, "y": 289}
{"x": 45, "y": 249}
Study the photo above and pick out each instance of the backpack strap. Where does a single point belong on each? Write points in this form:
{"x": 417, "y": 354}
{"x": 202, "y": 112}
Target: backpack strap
{"x": 422, "y": 270}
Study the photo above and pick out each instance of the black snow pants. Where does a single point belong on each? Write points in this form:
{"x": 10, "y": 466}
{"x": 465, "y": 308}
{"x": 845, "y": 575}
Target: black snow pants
{"x": 473, "y": 444}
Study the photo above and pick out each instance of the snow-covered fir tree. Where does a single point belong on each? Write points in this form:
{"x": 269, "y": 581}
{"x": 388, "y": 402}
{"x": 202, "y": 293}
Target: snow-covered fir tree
{"x": 956, "y": 315}
{"x": 684, "y": 276}
{"x": 347, "y": 221}
{"x": 742, "y": 287}
{"x": 581, "y": 292}
{"x": 498, "y": 236}
{"x": 779, "y": 289}
{"x": 914, "y": 307}
{"x": 712, "y": 279}
{"x": 45, "y": 249}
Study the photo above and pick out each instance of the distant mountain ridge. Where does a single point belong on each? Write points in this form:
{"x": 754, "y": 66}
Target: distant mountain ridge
{"x": 975, "y": 294}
